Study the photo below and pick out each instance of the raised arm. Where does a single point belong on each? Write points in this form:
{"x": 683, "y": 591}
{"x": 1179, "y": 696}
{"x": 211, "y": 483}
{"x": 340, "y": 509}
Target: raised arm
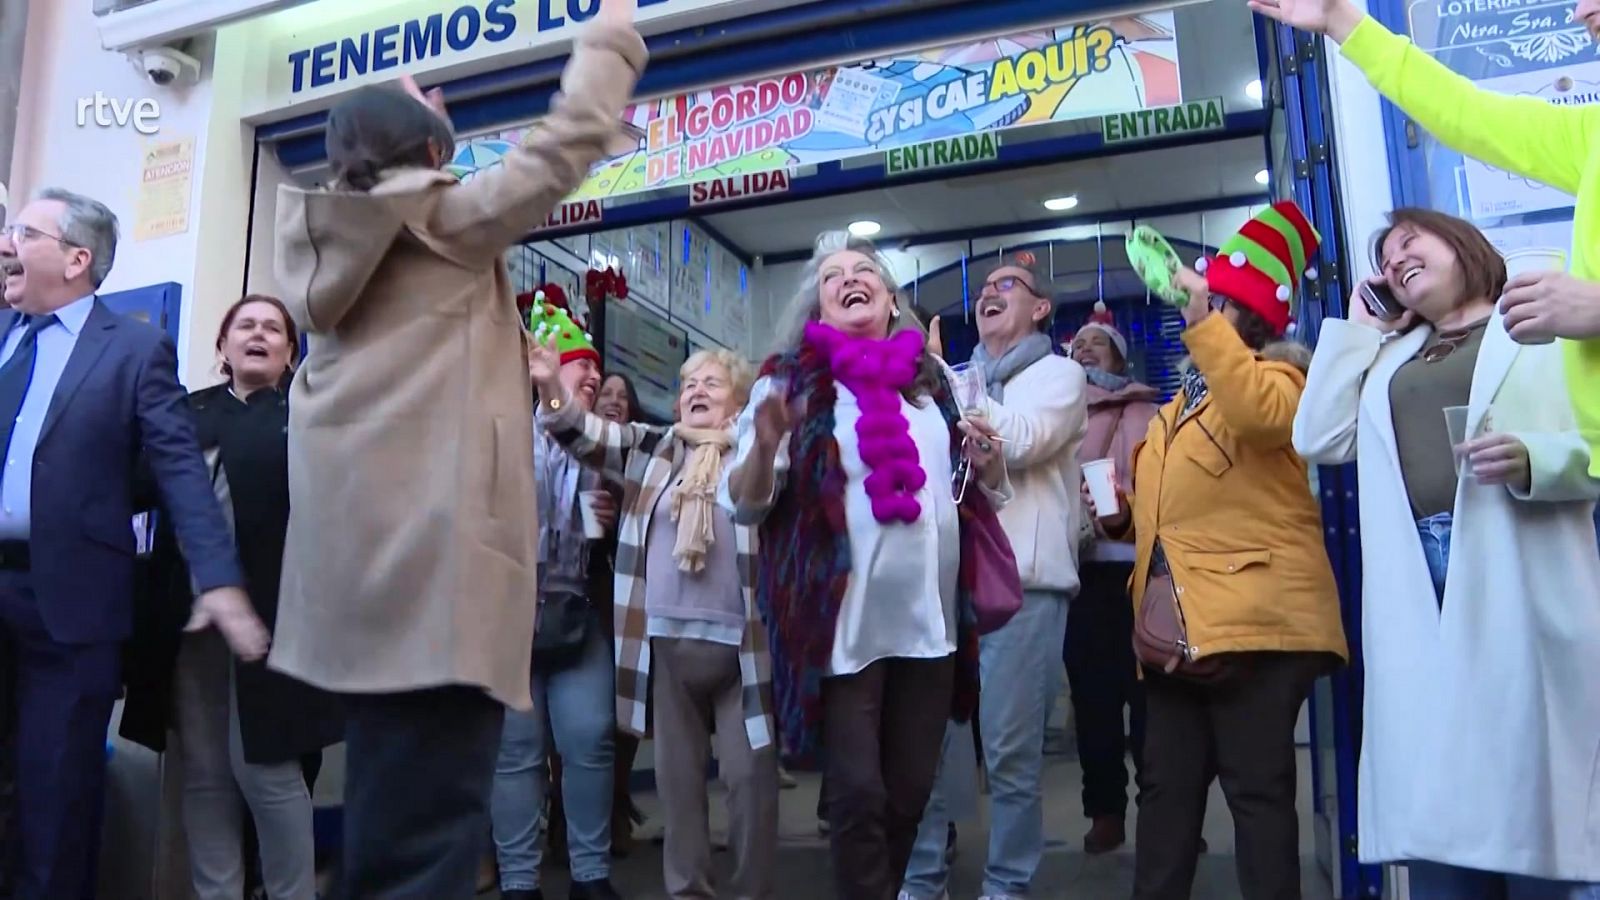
{"x": 1258, "y": 399}
{"x": 1525, "y": 135}
{"x": 501, "y": 204}
{"x": 761, "y": 456}
{"x": 595, "y": 441}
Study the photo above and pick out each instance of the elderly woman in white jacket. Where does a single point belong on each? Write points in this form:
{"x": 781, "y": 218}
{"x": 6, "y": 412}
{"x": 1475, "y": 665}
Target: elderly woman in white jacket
{"x": 1480, "y": 607}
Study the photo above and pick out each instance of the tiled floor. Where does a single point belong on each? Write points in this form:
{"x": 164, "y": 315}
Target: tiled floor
{"x": 1067, "y": 871}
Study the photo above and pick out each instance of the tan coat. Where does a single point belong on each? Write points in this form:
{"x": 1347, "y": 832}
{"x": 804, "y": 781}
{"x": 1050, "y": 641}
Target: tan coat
{"x": 1231, "y": 501}
{"x": 413, "y": 538}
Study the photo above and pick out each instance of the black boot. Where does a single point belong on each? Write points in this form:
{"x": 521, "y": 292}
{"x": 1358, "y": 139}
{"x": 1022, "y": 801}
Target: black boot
{"x": 594, "y": 890}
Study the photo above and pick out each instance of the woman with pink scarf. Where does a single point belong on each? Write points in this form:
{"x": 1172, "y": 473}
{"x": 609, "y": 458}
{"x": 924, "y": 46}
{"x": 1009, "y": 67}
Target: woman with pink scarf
{"x": 1099, "y": 648}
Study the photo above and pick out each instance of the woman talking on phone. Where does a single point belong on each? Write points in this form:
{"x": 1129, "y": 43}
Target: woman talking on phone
{"x": 1480, "y": 632}
{"x": 1236, "y": 610}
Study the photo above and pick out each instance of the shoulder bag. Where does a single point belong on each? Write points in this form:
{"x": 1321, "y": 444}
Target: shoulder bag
{"x": 1160, "y": 637}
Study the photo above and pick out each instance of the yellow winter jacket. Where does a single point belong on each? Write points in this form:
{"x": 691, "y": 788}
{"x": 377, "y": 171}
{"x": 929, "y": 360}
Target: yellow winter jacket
{"x": 1232, "y": 504}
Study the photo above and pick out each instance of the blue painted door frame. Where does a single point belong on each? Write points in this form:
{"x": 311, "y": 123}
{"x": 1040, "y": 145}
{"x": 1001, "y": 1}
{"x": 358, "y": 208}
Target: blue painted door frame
{"x": 1294, "y": 72}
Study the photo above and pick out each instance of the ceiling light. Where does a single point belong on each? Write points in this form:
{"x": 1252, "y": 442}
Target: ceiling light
{"x": 1059, "y": 204}
{"x": 1262, "y": 177}
{"x": 1253, "y": 90}
{"x": 865, "y": 228}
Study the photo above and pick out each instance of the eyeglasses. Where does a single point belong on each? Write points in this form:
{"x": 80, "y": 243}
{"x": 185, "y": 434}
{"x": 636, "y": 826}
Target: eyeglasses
{"x": 1001, "y": 285}
{"x": 16, "y": 231}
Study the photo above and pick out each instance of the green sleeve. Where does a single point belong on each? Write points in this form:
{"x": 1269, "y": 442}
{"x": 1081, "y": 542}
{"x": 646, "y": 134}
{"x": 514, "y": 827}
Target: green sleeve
{"x": 1525, "y": 135}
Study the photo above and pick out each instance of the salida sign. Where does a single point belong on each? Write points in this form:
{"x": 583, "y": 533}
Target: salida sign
{"x": 568, "y": 215}
{"x": 738, "y": 187}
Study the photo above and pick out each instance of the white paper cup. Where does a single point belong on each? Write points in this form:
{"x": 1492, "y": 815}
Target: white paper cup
{"x": 592, "y": 529}
{"x": 1100, "y": 475}
{"x": 1535, "y": 259}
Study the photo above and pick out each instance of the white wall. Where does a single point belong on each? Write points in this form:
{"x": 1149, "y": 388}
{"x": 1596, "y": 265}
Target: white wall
{"x": 64, "y": 62}
{"x": 1362, "y": 155}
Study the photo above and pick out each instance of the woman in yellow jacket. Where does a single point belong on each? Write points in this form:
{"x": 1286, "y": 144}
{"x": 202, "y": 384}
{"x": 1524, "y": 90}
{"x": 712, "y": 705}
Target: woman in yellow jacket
{"x": 1221, "y": 500}
{"x": 1557, "y": 145}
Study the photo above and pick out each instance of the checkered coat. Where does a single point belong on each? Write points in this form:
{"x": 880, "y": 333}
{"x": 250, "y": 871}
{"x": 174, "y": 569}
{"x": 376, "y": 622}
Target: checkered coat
{"x": 643, "y": 458}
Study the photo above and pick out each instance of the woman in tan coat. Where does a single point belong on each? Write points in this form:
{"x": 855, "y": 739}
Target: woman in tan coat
{"x": 409, "y": 578}
{"x": 1222, "y": 511}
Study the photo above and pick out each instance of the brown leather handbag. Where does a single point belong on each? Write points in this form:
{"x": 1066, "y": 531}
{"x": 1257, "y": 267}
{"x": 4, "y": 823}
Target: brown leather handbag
{"x": 1160, "y": 638}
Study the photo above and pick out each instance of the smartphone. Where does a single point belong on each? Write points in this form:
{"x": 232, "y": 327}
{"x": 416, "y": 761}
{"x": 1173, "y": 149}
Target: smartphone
{"x": 1380, "y": 301}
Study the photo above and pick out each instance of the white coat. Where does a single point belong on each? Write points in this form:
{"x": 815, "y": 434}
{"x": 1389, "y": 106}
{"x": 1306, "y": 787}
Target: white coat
{"x": 1481, "y": 738}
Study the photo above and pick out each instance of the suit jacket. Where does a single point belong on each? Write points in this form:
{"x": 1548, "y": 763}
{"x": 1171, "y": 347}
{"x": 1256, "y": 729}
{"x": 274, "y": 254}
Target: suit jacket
{"x": 118, "y": 395}
{"x": 412, "y": 548}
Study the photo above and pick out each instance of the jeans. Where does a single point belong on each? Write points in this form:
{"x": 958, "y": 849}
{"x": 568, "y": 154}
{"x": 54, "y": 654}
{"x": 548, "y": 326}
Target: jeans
{"x": 1436, "y": 881}
{"x": 1020, "y": 672}
{"x": 577, "y": 706}
{"x": 1435, "y": 534}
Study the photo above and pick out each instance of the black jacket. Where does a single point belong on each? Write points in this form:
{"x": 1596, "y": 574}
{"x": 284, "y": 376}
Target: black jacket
{"x": 280, "y": 718}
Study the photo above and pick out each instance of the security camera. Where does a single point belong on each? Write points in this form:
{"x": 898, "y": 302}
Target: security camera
{"x": 166, "y": 67}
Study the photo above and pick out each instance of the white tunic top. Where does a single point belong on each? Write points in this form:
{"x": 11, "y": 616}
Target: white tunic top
{"x": 901, "y": 597}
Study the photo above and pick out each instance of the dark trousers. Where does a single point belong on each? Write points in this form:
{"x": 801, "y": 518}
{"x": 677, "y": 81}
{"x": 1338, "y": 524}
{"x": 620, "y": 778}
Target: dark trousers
{"x": 416, "y": 799}
{"x": 1103, "y": 675}
{"x": 882, "y": 730}
{"x": 1242, "y": 730}
{"x": 63, "y": 695}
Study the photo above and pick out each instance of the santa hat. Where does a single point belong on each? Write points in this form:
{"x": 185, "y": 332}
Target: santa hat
{"x": 1260, "y": 267}
{"x": 545, "y": 319}
{"x": 1111, "y": 333}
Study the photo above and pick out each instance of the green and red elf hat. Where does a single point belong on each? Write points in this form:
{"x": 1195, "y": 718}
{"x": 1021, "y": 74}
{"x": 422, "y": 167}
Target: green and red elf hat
{"x": 1260, "y": 267}
{"x": 546, "y": 318}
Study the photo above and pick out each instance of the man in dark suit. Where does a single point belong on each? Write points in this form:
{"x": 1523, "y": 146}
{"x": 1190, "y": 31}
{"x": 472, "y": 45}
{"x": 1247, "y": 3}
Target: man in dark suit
{"x": 82, "y": 392}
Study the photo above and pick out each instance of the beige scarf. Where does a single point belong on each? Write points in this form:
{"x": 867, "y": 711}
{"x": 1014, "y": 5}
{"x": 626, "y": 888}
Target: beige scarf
{"x": 694, "y": 500}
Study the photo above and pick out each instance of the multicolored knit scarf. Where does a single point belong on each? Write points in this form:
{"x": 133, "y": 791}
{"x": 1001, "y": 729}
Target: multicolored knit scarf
{"x": 804, "y": 564}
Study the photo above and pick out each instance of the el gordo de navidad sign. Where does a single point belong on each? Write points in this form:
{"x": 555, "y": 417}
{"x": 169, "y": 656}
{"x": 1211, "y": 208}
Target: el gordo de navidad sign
{"x": 313, "y": 52}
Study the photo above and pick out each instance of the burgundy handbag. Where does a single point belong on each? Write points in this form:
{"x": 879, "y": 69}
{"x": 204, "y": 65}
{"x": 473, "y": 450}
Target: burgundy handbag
{"x": 988, "y": 564}
{"x": 1160, "y": 637}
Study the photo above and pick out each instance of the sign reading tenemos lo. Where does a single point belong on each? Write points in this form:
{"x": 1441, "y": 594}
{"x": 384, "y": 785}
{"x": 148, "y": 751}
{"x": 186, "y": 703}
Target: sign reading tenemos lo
{"x": 330, "y": 47}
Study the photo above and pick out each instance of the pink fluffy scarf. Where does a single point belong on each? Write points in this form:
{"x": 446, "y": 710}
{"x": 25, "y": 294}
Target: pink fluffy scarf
{"x": 876, "y": 371}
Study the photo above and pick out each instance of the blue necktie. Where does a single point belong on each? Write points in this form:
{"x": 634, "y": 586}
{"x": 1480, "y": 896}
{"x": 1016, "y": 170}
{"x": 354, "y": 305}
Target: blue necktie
{"x": 17, "y": 374}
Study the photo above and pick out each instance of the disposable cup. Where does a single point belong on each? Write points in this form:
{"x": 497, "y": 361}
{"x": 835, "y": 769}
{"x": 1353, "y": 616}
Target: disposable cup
{"x": 592, "y": 529}
{"x": 1100, "y": 475}
{"x": 1535, "y": 259}
{"x": 1455, "y": 422}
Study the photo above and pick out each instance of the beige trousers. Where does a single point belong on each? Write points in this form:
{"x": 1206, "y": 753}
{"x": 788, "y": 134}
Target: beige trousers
{"x": 695, "y": 690}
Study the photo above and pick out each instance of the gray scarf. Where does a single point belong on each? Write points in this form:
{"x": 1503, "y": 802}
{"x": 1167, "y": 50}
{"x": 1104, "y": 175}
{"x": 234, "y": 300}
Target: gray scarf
{"x": 1100, "y": 378}
{"x": 996, "y": 372}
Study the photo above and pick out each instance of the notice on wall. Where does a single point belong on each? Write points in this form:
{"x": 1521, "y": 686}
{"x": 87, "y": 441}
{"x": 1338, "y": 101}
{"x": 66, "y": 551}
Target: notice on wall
{"x": 166, "y": 182}
{"x": 1493, "y": 192}
{"x": 649, "y": 350}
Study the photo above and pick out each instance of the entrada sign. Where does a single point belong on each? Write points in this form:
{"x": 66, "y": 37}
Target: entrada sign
{"x": 1144, "y": 124}
{"x": 950, "y": 151}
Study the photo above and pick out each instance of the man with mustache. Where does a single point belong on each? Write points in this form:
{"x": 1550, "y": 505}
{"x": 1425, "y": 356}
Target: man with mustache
{"x": 84, "y": 393}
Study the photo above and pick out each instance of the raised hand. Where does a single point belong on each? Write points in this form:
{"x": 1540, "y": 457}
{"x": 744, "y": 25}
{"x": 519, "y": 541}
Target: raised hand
{"x": 544, "y": 363}
{"x": 1360, "y": 315}
{"x": 1334, "y": 18}
{"x": 618, "y": 12}
{"x": 935, "y": 340}
{"x": 433, "y": 99}
{"x": 773, "y": 419}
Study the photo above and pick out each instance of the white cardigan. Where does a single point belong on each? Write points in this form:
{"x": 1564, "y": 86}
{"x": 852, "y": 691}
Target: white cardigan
{"x": 1043, "y": 421}
{"x": 1481, "y": 738}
